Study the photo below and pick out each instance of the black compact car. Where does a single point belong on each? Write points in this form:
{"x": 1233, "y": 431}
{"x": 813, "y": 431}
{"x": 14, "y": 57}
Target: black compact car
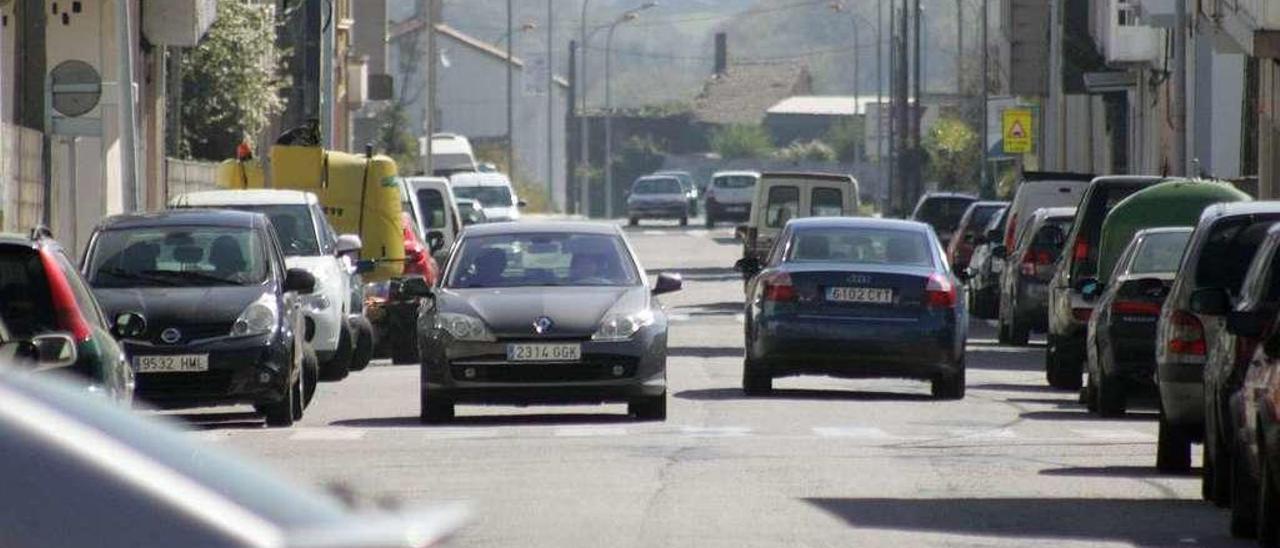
{"x": 943, "y": 211}
{"x": 543, "y": 313}
{"x": 207, "y": 309}
{"x": 855, "y": 298}
{"x": 43, "y": 299}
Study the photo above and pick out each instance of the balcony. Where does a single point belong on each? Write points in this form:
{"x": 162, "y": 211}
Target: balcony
{"x": 1253, "y": 24}
{"x": 1123, "y": 36}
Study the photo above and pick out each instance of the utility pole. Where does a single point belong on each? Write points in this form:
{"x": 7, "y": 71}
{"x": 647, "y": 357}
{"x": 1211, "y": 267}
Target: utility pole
{"x": 1179, "y": 160}
{"x": 959, "y": 47}
{"x": 584, "y": 130}
{"x": 892, "y": 182}
{"x": 880, "y": 95}
{"x": 573, "y": 200}
{"x": 987, "y": 188}
{"x": 904, "y": 108}
{"x": 511, "y": 94}
{"x": 433, "y": 64}
{"x": 551, "y": 105}
{"x": 128, "y": 112}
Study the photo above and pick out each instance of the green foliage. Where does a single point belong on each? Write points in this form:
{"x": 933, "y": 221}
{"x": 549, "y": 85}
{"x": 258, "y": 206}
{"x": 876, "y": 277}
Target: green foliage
{"x": 231, "y": 81}
{"x": 848, "y": 138}
{"x": 640, "y": 154}
{"x": 812, "y": 151}
{"x": 395, "y": 139}
{"x": 955, "y": 159}
{"x": 741, "y": 141}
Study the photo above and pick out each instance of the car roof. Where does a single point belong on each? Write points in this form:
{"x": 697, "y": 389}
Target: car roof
{"x": 1054, "y": 176}
{"x": 1166, "y": 230}
{"x": 246, "y": 198}
{"x": 735, "y": 174}
{"x": 1054, "y": 212}
{"x": 857, "y": 222}
{"x": 485, "y": 178}
{"x": 571, "y": 227}
{"x": 657, "y": 177}
{"x": 7, "y": 238}
{"x": 807, "y": 175}
{"x": 1232, "y": 209}
{"x": 172, "y": 217}
{"x": 931, "y": 195}
{"x": 1119, "y": 179}
{"x": 989, "y": 203}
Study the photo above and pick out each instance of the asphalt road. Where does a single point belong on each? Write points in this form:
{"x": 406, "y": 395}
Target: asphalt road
{"x": 823, "y": 462}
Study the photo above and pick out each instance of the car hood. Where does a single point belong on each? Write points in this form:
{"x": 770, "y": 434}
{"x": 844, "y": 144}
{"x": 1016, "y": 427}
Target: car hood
{"x": 501, "y": 213}
{"x": 573, "y": 311}
{"x": 180, "y": 305}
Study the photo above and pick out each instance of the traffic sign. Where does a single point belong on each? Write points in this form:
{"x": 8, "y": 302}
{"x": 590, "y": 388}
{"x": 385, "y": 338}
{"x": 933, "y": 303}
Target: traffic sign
{"x": 1019, "y": 134}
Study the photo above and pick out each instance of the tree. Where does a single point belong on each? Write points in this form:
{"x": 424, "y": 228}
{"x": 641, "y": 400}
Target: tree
{"x": 395, "y": 139}
{"x": 231, "y": 82}
{"x": 741, "y": 141}
{"x": 848, "y": 138}
{"x": 954, "y": 156}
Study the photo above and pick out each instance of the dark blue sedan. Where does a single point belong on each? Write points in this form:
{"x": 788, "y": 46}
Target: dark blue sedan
{"x": 855, "y": 298}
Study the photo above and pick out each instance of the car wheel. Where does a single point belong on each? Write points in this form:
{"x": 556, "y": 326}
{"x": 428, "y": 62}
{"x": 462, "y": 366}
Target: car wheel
{"x": 684, "y": 221}
{"x": 404, "y": 350}
{"x": 1002, "y": 331}
{"x": 1173, "y": 448}
{"x": 950, "y": 387}
{"x": 1091, "y": 393}
{"x": 1019, "y": 335}
{"x": 711, "y": 221}
{"x": 1065, "y": 373}
{"x": 434, "y": 409}
{"x": 1268, "y": 505}
{"x": 649, "y": 408}
{"x": 339, "y": 366}
{"x": 1215, "y": 482}
{"x": 756, "y": 380}
{"x": 310, "y": 374}
{"x": 1244, "y": 498}
{"x": 362, "y": 352}
{"x": 634, "y": 221}
{"x": 283, "y": 413}
{"x": 1110, "y": 396}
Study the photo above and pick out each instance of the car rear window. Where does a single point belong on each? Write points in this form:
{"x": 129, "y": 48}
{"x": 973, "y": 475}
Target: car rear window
{"x": 1052, "y": 235}
{"x": 979, "y": 218}
{"x": 1159, "y": 253}
{"x": 735, "y": 181}
{"x": 431, "y": 208}
{"x": 658, "y": 186}
{"x": 1101, "y": 201}
{"x": 826, "y": 202}
{"x": 943, "y": 214}
{"x": 781, "y": 205}
{"x": 1227, "y": 252}
{"x": 859, "y": 245}
{"x": 25, "y": 302}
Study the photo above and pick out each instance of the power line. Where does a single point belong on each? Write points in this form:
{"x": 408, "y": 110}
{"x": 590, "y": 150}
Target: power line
{"x": 675, "y": 20}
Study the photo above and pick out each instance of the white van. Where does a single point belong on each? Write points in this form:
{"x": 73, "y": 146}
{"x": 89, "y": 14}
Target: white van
{"x": 1038, "y": 190}
{"x": 450, "y": 154}
{"x": 431, "y": 203}
{"x": 780, "y": 197}
{"x": 494, "y": 192}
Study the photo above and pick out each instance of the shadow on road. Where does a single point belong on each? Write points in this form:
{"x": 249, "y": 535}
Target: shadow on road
{"x": 1003, "y": 359}
{"x": 705, "y": 352}
{"x": 218, "y": 421}
{"x": 1064, "y": 402}
{"x": 726, "y": 240}
{"x": 1006, "y": 387}
{"x": 727, "y": 394}
{"x": 725, "y": 308}
{"x": 1114, "y": 472}
{"x": 1140, "y": 522}
{"x": 1083, "y": 414}
{"x": 531, "y": 419}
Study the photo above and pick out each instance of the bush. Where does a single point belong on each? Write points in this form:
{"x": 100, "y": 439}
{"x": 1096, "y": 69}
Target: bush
{"x": 848, "y": 138}
{"x": 812, "y": 151}
{"x": 741, "y": 141}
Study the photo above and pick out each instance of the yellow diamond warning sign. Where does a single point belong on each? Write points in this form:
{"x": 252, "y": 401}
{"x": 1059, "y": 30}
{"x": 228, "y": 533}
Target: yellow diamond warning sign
{"x": 1019, "y": 135}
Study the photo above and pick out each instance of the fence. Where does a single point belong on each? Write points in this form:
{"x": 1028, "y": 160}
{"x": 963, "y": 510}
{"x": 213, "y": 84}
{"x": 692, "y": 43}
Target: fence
{"x": 21, "y": 178}
{"x": 182, "y": 176}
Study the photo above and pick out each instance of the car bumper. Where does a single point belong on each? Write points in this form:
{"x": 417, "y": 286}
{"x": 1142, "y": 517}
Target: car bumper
{"x": 241, "y": 370}
{"x": 327, "y": 328}
{"x": 466, "y": 372}
{"x": 666, "y": 211}
{"x": 1033, "y": 304}
{"x": 1181, "y": 393}
{"x": 728, "y": 211}
{"x": 858, "y": 349}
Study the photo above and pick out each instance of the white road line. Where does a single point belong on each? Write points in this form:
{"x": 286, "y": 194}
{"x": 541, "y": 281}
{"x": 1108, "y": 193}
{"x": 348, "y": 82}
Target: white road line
{"x": 654, "y": 232}
{"x": 326, "y": 434}
{"x": 678, "y": 317}
{"x": 590, "y": 431}
{"x": 462, "y": 433}
{"x": 984, "y": 433}
{"x": 714, "y": 431}
{"x": 697, "y": 233}
{"x": 1112, "y": 434}
{"x": 858, "y": 432}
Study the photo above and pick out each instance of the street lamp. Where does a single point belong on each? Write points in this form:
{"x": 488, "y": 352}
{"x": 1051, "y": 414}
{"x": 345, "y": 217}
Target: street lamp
{"x": 857, "y": 55}
{"x": 608, "y": 103}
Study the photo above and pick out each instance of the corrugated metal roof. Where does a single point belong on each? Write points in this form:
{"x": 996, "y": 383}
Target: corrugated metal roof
{"x": 821, "y": 105}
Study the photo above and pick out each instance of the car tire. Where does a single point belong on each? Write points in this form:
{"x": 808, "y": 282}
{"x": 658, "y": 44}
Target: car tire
{"x": 710, "y": 221}
{"x": 1244, "y": 498}
{"x": 1064, "y": 372}
{"x": 1002, "y": 331}
{"x": 362, "y": 352}
{"x": 1090, "y": 394}
{"x": 756, "y": 379}
{"x": 1268, "y": 505}
{"x": 434, "y": 409}
{"x": 310, "y": 374}
{"x": 1019, "y": 335}
{"x": 633, "y": 221}
{"x": 950, "y": 387}
{"x": 338, "y": 367}
{"x": 1215, "y": 483}
{"x": 684, "y": 221}
{"x": 1111, "y": 399}
{"x": 649, "y": 408}
{"x": 283, "y": 413}
{"x": 404, "y": 349}
{"x": 1173, "y": 449}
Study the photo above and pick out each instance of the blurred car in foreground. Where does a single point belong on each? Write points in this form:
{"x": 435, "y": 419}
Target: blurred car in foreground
{"x": 93, "y": 474}
{"x": 543, "y": 313}
{"x": 1024, "y": 285}
{"x": 942, "y": 211}
{"x": 42, "y": 295}
{"x": 970, "y": 231}
{"x": 1258, "y": 433}
{"x": 1121, "y": 332}
{"x": 855, "y": 298}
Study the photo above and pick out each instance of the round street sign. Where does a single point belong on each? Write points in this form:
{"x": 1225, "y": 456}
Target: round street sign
{"x": 76, "y": 88}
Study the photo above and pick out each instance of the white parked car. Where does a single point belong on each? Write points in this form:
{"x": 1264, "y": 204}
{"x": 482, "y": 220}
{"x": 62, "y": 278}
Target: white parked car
{"x": 491, "y": 189}
{"x": 309, "y": 243}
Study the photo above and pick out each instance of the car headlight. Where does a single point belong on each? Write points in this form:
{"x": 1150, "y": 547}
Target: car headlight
{"x": 620, "y": 327}
{"x": 464, "y": 328}
{"x": 260, "y": 318}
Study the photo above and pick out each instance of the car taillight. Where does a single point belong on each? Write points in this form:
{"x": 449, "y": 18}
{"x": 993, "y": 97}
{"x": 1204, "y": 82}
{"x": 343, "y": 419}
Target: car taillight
{"x": 1032, "y": 260}
{"x": 1009, "y": 230}
{"x": 778, "y": 288}
{"x": 1135, "y": 308}
{"x": 1187, "y": 336}
{"x": 1081, "y": 251}
{"x": 65, "y": 308}
{"x": 939, "y": 292}
{"x": 1082, "y": 314}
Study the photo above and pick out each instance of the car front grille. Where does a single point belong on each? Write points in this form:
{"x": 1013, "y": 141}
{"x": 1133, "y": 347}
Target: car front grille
{"x": 189, "y": 332}
{"x": 179, "y": 385}
{"x": 535, "y": 372}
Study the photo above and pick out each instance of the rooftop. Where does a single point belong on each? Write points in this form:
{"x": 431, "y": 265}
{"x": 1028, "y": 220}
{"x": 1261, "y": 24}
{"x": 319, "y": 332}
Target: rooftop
{"x": 744, "y": 93}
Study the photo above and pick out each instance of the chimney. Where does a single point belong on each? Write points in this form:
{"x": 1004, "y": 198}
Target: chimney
{"x": 722, "y": 53}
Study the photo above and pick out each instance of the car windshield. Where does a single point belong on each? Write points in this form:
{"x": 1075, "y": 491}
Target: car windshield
{"x": 543, "y": 260}
{"x": 735, "y": 181}
{"x": 943, "y": 214}
{"x": 859, "y": 245}
{"x": 490, "y": 196}
{"x": 294, "y": 227}
{"x": 657, "y": 186}
{"x": 177, "y": 256}
{"x": 1159, "y": 253}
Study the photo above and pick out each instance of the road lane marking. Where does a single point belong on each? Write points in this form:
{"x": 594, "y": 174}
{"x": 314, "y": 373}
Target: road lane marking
{"x": 984, "y": 433}
{"x": 462, "y": 433}
{"x": 590, "y": 431}
{"x": 697, "y": 233}
{"x": 678, "y": 317}
{"x": 326, "y": 434}
{"x": 1112, "y": 434}
{"x": 714, "y": 431}
{"x": 858, "y": 432}
{"x": 654, "y": 233}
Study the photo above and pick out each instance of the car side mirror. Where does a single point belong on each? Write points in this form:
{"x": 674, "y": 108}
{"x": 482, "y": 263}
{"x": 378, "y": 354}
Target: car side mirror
{"x": 748, "y": 266}
{"x": 416, "y": 287}
{"x": 1245, "y": 324}
{"x": 522, "y": 203}
{"x": 366, "y": 266}
{"x": 1090, "y": 289}
{"x": 347, "y": 243}
{"x": 129, "y": 325}
{"x": 297, "y": 280}
{"x": 668, "y": 283}
{"x": 1210, "y": 301}
{"x": 1000, "y": 252}
{"x": 54, "y": 350}
{"x": 435, "y": 241}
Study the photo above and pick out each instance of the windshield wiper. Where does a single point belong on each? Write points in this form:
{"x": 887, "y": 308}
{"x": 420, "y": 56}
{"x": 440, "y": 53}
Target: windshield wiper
{"x": 193, "y": 275}
{"x": 133, "y": 275}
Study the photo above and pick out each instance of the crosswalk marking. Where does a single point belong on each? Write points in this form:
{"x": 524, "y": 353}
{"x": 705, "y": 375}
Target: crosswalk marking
{"x": 590, "y": 431}
{"x": 859, "y": 432}
{"x": 654, "y": 232}
{"x": 1112, "y": 434}
{"x": 984, "y": 433}
{"x": 714, "y": 431}
{"x": 462, "y": 433}
{"x": 327, "y": 434}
